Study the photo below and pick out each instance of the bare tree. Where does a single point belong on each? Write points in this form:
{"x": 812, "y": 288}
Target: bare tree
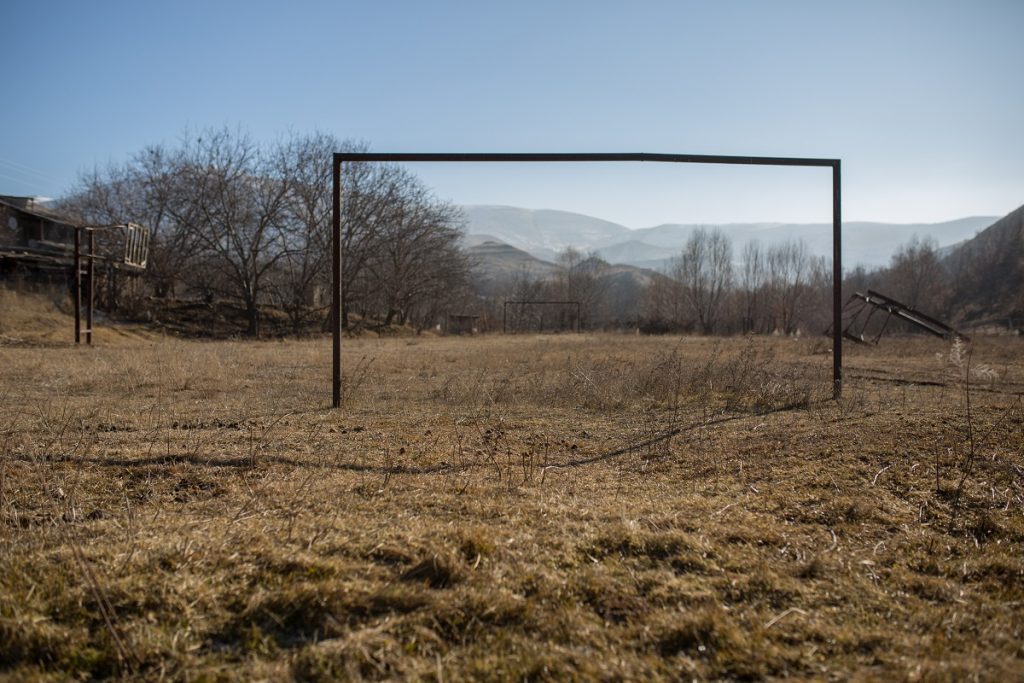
{"x": 789, "y": 270}
{"x": 582, "y": 277}
{"x": 916, "y": 275}
{"x": 752, "y": 283}
{"x": 416, "y": 261}
{"x": 231, "y": 198}
{"x": 704, "y": 269}
{"x": 525, "y": 285}
{"x": 141, "y": 191}
{"x": 662, "y": 305}
{"x": 817, "y": 309}
{"x": 373, "y": 197}
{"x": 300, "y": 278}
{"x": 252, "y": 223}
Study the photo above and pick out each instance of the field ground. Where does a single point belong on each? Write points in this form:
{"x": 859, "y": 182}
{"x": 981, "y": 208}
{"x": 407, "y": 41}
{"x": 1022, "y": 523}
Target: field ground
{"x": 574, "y": 507}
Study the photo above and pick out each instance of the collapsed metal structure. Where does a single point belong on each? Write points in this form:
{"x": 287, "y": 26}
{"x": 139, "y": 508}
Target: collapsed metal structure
{"x": 873, "y": 302}
{"x": 340, "y": 158}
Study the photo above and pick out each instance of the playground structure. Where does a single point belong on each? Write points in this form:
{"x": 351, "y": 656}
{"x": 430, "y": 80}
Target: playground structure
{"x": 871, "y": 303}
{"x": 38, "y": 243}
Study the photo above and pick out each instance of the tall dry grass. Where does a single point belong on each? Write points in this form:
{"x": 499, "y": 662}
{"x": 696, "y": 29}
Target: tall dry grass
{"x": 558, "y": 507}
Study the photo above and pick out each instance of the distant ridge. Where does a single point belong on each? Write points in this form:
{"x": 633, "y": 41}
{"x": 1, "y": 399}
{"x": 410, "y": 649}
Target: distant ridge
{"x": 544, "y": 233}
{"x": 500, "y": 261}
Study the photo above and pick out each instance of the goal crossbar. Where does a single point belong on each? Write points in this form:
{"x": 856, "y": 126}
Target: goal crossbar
{"x": 506, "y": 157}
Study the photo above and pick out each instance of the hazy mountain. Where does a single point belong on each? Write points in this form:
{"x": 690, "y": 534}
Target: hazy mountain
{"x": 545, "y": 233}
{"x": 867, "y": 243}
{"x": 633, "y": 252}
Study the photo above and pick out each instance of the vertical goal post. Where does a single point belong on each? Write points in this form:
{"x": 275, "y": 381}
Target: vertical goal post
{"x": 414, "y": 157}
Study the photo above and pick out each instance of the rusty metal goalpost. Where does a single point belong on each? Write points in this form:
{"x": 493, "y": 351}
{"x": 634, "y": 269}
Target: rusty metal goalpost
{"x": 343, "y": 157}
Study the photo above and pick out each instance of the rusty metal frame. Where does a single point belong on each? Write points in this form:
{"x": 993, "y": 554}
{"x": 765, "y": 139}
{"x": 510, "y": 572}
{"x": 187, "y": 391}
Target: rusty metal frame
{"x": 355, "y": 157}
{"x": 90, "y": 275}
{"x": 136, "y": 250}
{"x": 874, "y": 301}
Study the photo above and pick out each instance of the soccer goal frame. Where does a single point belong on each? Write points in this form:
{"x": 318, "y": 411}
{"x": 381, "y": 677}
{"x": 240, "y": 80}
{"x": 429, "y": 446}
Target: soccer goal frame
{"x": 392, "y": 157}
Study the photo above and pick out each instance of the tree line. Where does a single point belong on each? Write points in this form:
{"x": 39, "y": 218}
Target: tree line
{"x": 776, "y": 288}
{"x": 704, "y": 289}
{"x": 779, "y": 288}
{"x": 248, "y": 223}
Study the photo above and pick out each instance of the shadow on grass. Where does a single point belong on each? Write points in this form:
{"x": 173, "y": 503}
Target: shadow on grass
{"x": 246, "y": 462}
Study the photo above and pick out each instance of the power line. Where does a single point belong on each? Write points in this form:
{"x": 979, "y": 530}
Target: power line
{"x": 26, "y": 171}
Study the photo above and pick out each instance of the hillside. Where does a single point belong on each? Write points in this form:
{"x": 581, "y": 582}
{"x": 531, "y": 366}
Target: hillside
{"x": 501, "y": 262}
{"x": 35, "y": 319}
{"x": 987, "y": 274}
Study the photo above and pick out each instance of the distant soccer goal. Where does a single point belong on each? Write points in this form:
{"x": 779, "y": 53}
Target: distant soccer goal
{"x": 393, "y": 157}
{"x": 540, "y": 316}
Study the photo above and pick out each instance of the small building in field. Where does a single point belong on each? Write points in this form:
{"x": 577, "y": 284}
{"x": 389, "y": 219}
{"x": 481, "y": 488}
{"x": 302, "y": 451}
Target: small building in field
{"x": 37, "y": 243}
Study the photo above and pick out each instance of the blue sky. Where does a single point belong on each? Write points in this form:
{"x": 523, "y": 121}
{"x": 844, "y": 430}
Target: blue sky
{"x": 921, "y": 100}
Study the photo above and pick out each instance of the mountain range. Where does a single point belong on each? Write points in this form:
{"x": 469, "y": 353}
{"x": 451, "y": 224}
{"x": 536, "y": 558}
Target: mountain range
{"x": 984, "y": 267}
{"x": 544, "y": 233}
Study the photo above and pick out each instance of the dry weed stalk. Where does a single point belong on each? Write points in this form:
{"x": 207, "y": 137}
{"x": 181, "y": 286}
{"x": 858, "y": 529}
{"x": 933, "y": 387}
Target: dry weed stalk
{"x": 959, "y": 362}
{"x": 126, "y": 655}
{"x": 7, "y": 434}
{"x": 257, "y": 444}
{"x": 354, "y": 378}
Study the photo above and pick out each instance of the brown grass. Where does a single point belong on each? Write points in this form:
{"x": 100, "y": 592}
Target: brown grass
{"x": 508, "y": 508}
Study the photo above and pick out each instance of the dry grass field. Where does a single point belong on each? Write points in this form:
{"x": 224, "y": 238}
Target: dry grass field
{"x": 573, "y": 507}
